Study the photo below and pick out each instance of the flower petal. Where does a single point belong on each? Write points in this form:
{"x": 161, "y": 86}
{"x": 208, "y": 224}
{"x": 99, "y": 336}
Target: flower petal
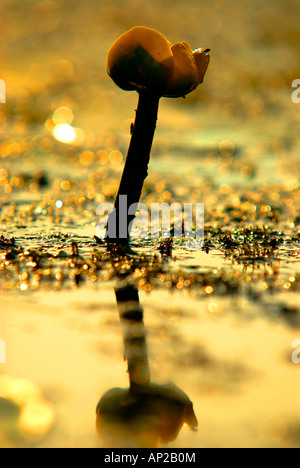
{"x": 202, "y": 59}
{"x": 185, "y": 71}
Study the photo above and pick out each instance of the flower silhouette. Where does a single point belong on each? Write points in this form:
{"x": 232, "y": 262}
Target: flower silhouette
{"x": 143, "y": 58}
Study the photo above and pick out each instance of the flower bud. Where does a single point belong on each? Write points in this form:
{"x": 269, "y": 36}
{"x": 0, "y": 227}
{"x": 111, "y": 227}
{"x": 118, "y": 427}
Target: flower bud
{"x": 143, "y": 58}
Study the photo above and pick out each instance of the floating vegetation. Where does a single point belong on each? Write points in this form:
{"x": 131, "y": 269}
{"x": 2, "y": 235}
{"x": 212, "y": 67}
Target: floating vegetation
{"x": 62, "y": 261}
{"x": 6, "y": 243}
{"x": 250, "y": 248}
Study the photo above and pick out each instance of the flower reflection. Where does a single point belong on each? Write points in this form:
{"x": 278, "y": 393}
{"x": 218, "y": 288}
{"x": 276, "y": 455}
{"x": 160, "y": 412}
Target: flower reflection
{"x": 145, "y": 414}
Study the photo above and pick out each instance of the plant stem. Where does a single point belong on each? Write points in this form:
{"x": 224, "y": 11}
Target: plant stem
{"x": 135, "y": 169}
{"x": 134, "y": 335}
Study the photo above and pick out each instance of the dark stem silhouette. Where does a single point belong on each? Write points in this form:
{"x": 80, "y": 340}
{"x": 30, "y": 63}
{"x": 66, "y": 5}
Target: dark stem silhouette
{"x": 135, "y": 170}
{"x": 134, "y": 336}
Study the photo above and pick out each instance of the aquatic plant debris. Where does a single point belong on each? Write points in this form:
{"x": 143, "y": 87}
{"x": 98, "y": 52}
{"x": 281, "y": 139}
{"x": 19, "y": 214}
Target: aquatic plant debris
{"x": 249, "y": 267}
{"x": 250, "y": 236}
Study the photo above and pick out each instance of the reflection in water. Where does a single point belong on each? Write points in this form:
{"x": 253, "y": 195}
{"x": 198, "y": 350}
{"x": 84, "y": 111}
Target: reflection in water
{"x": 144, "y": 414}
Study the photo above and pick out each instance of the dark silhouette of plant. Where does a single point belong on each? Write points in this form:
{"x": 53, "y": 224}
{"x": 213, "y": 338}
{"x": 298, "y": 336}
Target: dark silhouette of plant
{"x": 143, "y": 60}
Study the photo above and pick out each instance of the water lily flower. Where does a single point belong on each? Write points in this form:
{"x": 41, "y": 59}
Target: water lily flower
{"x": 143, "y": 60}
